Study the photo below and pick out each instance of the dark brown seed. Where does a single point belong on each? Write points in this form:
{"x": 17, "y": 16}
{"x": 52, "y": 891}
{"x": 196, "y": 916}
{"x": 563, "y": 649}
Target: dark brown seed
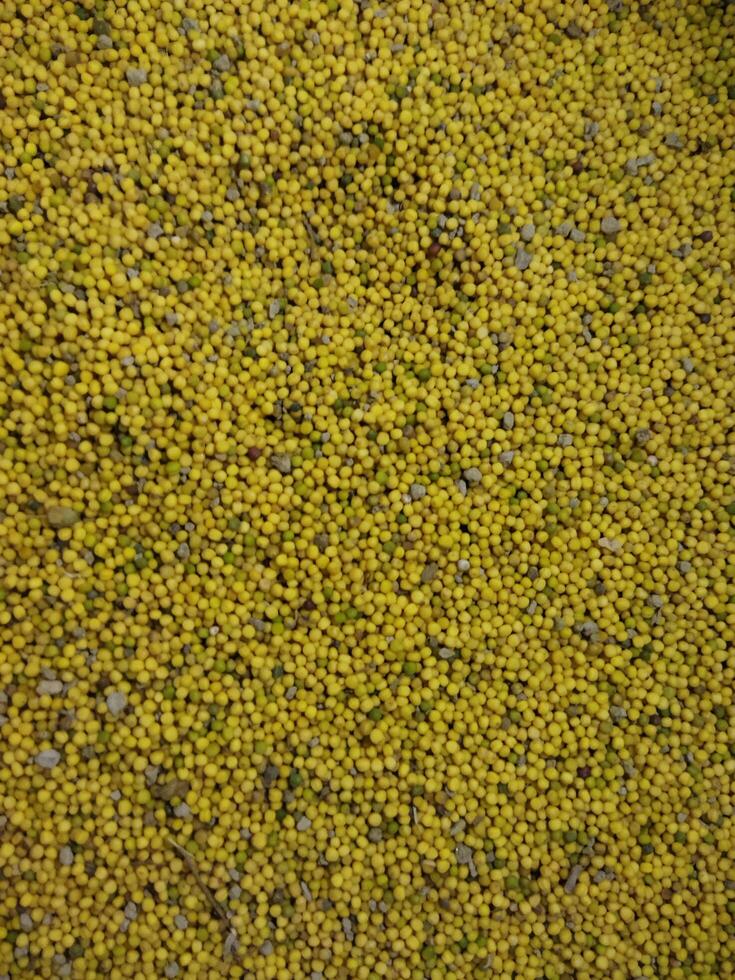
{"x": 433, "y": 250}
{"x": 254, "y": 452}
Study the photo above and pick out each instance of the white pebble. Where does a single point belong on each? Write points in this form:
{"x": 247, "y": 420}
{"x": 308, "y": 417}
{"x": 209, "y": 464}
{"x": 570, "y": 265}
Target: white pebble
{"x": 610, "y": 225}
{"x": 66, "y": 856}
{"x": 523, "y": 259}
{"x": 116, "y": 703}
{"x": 48, "y": 758}
{"x": 49, "y": 687}
{"x": 136, "y": 76}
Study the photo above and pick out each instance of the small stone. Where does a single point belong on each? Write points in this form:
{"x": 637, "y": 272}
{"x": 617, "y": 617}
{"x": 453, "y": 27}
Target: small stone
{"x": 684, "y": 567}
{"x": 171, "y": 970}
{"x": 155, "y": 230}
{"x": 275, "y": 308}
{"x": 576, "y": 235}
{"x": 62, "y": 516}
{"x": 604, "y": 874}
{"x": 523, "y": 259}
{"x": 589, "y": 630}
{"x": 131, "y": 911}
{"x": 222, "y": 63}
{"x": 591, "y": 129}
{"x": 104, "y": 42}
{"x": 472, "y": 475}
{"x": 180, "y": 921}
{"x": 136, "y": 76}
{"x": 674, "y": 141}
{"x": 281, "y": 462}
{"x": 375, "y": 835}
{"x": 429, "y": 573}
{"x": 66, "y": 856}
{"x": 348, "y": 929}
{"x": 527, "y": 232}
{"x": 464, "y": 854}
{"x": 49, "y": 687}
{"x": 116, "y": 703}
{"x": 463, "y": 565}
{"x": 417, "y": 491}
{"x": 657, "y": 108}
{"x": 270, "y": 775}
{"x": 565, "y": 439}
{"x": 509, "y": 421}
{"x": 151, "y": 774}
{"x": 610, "y": 225}
{"x": 306, "y": 891}
{"x": 507, "y": 456}
{"x": 303, "y": 824}
{"x": 573, "y": 879}
{"x": 48, "y": 759}
{"x": 610, "y": 544}
{"x": 445, "y": 653}
{"x": 267, "y": 948}
{"x": 687, "y": 364}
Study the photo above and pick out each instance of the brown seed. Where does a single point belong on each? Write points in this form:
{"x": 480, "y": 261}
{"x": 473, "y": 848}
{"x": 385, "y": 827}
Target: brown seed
{"x": 433, "y": 250}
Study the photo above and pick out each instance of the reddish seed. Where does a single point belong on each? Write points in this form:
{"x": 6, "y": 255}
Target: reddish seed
{"x": 254, "y": 452}
{"x": 433, "y": 250}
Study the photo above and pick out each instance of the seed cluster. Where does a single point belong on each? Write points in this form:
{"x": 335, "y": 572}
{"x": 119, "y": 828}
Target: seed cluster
{"x": 366, "y": 489}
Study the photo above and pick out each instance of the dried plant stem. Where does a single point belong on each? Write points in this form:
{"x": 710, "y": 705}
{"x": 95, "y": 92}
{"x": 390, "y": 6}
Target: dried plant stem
{"x": 218, "y": 910}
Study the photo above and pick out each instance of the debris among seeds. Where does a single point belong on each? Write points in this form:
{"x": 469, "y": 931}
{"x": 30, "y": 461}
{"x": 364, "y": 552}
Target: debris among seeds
{"x": 523, "y": 259}
{"x": 136, "y": 76}
{"x": 116, "y": 703}
{"x": 281, "y": 462}
{"x": 59, "y": 516}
